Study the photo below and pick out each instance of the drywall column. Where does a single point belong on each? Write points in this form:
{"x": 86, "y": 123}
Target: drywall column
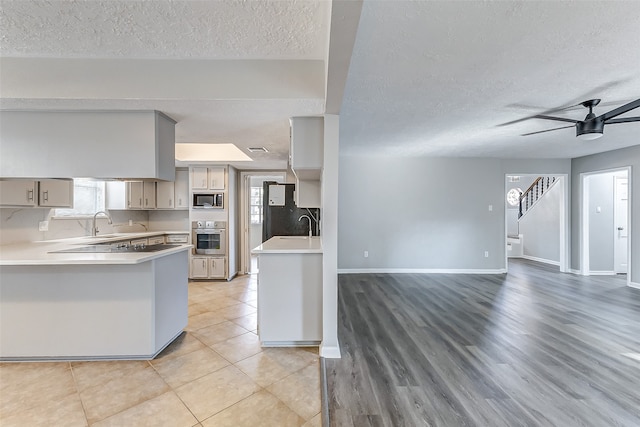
{"x": 330, "y": 347}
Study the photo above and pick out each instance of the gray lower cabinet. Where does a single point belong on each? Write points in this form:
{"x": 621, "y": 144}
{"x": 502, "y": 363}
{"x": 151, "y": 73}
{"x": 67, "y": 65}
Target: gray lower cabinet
{"x": 207, "y": 267}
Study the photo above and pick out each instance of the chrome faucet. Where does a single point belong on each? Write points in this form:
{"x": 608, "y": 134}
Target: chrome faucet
{"x": 94, "y": 228}
{"x": 307, "y": 216}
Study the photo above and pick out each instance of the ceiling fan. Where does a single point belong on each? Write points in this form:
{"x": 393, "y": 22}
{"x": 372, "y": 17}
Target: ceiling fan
{"x": 592, "y": 127}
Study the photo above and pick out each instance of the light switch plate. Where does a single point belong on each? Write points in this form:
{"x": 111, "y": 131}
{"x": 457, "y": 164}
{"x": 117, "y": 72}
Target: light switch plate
{"x": 43, "y": 226}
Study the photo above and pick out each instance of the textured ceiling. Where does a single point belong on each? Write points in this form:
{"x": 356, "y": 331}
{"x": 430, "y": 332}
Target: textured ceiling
{"x": 438, "y": 77}
{"x": 219, "y": 29}
{"x": 425, "y": 78}
{"x": 227, "y": 71}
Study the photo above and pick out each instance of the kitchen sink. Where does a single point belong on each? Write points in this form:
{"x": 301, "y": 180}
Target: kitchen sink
{"x": 112, "y": 249}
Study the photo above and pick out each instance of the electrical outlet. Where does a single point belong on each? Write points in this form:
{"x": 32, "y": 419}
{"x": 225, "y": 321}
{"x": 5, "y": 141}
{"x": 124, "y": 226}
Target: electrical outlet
{"x": 43, "y": 226}
{"x": 130, "y": 222}
{"x": 486, "y": 254}
{"x": 366, "y": 254}
{"x": 490, "y": 208}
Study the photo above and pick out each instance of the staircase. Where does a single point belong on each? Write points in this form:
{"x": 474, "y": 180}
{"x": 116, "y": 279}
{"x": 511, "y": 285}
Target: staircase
{"x": 534, "y": 193}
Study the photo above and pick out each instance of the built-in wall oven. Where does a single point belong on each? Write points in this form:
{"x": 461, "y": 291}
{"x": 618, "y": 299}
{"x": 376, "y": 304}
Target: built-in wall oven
{"x": 209, "y": 237}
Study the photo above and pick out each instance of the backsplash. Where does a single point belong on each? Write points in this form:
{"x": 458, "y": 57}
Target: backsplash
{"x": 21, "y": 225}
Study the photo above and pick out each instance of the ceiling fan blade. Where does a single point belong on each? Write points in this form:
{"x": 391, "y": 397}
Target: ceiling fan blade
{"x": 558, "y": 119}
{"x": 544, "y": 113}
{"x": 620, "y": 110}
{"x": 547, "y": 130}
{"x": 622, "y": 120}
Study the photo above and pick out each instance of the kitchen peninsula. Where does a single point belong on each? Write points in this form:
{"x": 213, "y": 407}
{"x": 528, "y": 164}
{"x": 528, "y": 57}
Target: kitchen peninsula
{"x": 290, "y": 291}
{"x": 68, "y": 305}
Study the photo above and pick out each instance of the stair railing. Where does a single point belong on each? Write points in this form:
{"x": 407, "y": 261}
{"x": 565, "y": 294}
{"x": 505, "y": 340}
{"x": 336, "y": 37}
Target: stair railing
{"x": 532, "y": 194}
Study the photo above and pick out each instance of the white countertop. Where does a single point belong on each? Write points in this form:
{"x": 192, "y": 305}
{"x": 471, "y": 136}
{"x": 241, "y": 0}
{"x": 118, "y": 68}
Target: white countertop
{"x": 39, "y": 253}
{"x": 290, "y": 245}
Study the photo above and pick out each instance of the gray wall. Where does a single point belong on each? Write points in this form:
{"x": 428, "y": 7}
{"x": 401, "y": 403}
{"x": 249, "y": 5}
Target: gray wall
{"x": 601, "y": 162}
{"x": 540, "y": 226}
{"x": 427, "y": 213}
{"x": 601, "y": 223}
{"x": 421, "y": 213}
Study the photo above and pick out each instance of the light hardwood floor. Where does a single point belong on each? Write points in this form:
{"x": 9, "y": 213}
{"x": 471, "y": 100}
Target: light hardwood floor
{"x": 533, "y": 347}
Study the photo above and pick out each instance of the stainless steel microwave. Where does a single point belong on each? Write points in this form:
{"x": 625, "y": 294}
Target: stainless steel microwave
{"x": 208, "y": 200}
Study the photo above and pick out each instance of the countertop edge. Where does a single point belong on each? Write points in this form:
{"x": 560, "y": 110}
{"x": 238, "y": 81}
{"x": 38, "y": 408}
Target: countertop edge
{"x": 94, "y": 259}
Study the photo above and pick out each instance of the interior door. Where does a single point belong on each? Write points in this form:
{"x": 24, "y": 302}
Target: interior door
{"x": 621, "y": 211}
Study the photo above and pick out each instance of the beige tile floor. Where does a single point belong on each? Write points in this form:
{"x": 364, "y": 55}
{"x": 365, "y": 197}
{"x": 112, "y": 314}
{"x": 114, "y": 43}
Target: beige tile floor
{"x": 214, "y": 374}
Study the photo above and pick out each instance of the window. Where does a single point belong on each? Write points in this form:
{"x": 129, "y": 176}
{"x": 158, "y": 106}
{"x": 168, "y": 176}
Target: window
{"x": 256, "y": 205}
{"x": 88, "y": 198}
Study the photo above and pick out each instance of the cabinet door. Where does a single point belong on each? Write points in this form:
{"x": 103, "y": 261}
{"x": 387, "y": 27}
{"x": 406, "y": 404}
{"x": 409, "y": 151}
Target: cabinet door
{"x": 182, "y": 190}
{"x": 18, "y": 192}
{"x": 149, "y": 191}
{"x": 135, "y": 194}
{"x": 216, "y": 268}
{"x": 216, "y": 178}
{"x": 307, "y": 142}
{"x": 199, "y": 268}
{"x": 165, "y": 195}
{"x": 199, "y": 180}
{"x": 56, "y": 193}
{"x": 158, "y": 240}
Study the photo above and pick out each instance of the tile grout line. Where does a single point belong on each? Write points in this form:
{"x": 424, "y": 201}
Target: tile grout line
{"x": 75, "y": 383}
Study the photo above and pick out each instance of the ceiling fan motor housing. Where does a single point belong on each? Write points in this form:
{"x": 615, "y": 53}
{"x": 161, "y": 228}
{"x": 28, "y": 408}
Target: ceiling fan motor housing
{"x": 591, "y": 125}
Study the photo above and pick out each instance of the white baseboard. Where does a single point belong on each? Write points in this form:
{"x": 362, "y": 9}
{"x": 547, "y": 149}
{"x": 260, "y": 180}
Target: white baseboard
{"x": 602, "y": 273}
{"x": 543, "y": 260}
{"x": 576, "y": 272}
{"x": 330, "y": 352}
{"x": 634, "y": 285}
{"x": 420, "y": 270}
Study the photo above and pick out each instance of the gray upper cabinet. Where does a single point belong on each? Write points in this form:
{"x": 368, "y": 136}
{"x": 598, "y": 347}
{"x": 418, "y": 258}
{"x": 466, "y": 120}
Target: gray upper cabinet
{"x": 18, "y": 192}
{"x": 207, "y": 178}
{"x": 53, "y": 193}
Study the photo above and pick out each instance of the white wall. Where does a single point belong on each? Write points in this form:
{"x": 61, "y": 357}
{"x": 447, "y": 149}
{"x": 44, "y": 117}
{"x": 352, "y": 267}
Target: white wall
{"x": 602, "y": 162}
{"x": 540, "y": 227}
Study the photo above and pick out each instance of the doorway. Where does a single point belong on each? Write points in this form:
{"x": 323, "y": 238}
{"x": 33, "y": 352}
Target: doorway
{"x": 252, "y": 214}
{"x": 605, "y": 246}
{"x": 539, "y": 233}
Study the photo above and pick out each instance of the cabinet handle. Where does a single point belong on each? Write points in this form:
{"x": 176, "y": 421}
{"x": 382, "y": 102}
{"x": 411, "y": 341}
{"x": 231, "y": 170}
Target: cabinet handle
{"x": 140, "y": 201}
{"x": 146, "y": 202}
{"x": 170, "y": 202}
{"x": 30, "y": 195}
{"x": 45, "y": 196}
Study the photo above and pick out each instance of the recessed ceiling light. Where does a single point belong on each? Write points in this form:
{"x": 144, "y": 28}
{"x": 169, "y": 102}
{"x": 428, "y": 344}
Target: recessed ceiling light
{"x": 189, "y": 152}
{"x": 257, "y": 150}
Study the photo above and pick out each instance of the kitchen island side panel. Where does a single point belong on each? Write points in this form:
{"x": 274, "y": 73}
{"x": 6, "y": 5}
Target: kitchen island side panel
{"x": 171, "y": 297}
{"x": 92, "y": 311}
{"x": 290, "y": 298}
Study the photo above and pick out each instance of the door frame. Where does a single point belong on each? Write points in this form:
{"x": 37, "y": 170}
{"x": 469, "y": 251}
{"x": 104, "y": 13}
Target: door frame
{"x": 584, "y": 219}
{"x": 245, "y": 194}
{"x": 564, "y": 250}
